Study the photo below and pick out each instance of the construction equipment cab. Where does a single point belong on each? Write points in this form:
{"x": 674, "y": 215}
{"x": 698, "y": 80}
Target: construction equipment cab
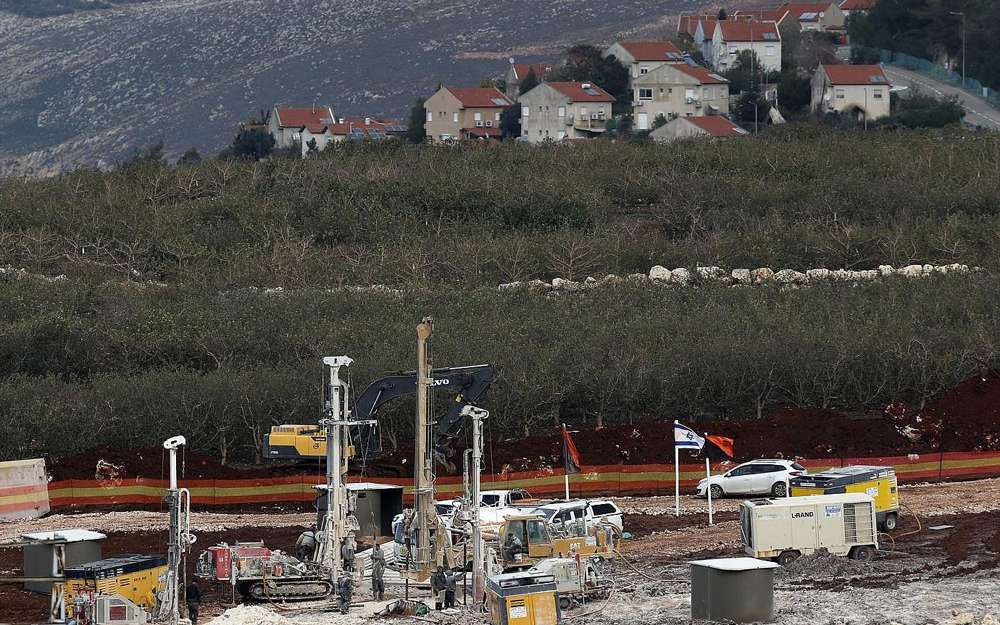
{"x": 524, "y": 539}
{"x": 467, "y": 384}
{"x": 879, "y": 482}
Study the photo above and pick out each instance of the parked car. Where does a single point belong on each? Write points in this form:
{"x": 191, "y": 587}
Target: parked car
{"x": 757, "y": 477}
{"x": 562, "y": 514}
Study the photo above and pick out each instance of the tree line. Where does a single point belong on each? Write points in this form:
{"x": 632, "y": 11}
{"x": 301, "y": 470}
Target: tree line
{"x": 82, "y": 366}
{"x": 398, "y": 214}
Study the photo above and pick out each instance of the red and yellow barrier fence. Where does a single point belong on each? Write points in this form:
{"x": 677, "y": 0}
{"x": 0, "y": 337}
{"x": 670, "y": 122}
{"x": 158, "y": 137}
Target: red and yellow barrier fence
{"x": 23, "y": 492}
{"x": 649, "y": 479}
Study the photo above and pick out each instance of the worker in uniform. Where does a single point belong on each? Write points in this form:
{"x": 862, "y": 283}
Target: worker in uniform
{"x": 192, "y": 595}
{"x": 450, "y": 582}
{"x": 512, "y": 546}
{"x": 347, "y": 551}
{"x": 345, "y": 586}
{"x": 378, "y": 570}
{"x": 438, "y": 583}
{"x": 305, "y": 546}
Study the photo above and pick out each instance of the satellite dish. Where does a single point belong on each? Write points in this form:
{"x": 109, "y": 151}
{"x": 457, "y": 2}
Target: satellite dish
{"x": 511, "y": 59}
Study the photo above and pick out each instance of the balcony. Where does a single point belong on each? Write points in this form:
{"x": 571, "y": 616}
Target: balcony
{"x": 593, "y": 123}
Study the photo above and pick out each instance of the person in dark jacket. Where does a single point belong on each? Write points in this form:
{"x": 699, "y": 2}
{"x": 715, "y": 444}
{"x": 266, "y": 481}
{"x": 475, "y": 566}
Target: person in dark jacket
{"x": 438, "y": 583}
{"x": 345, "y": 587}
{"x": 378, "y": 570}
{"x": 192, "y": 595}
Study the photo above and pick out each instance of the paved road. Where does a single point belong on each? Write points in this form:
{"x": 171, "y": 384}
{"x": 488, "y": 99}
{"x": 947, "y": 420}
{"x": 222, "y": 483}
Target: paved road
{"x": 977, "y": 110}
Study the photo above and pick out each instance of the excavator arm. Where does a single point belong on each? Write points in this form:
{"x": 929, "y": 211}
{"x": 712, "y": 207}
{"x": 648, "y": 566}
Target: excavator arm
{"x": 468, "y": 385}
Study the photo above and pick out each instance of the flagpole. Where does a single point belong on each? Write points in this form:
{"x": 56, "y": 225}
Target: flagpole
{"x": 566, "y": 473}
{"x": 708, "y": 482}
{"x": 677, "y": 474}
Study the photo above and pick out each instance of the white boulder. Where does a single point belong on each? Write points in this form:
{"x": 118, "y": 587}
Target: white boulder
{"x": 680, "y": 276}
{"x": 660, "y": 273}
{"x": 762, "y": 274}
{"x": 818, "y": 275}
{"x": 790, "y": 276}
{"x": 741, "y": 276}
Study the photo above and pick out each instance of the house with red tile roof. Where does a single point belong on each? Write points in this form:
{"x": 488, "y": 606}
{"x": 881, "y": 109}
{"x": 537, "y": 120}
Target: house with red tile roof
{"x": 713, "y": 127}
{"x": 814, "y": 16}
{"x": 678, "y": 90}
{"x": 517, "y": 72}
{"x": 850, "y": 7}
{"x": 859, "y": 90}
{"x": 688, "y": 24}
{"x": 297, "y": 126}
{"x": 455, "y": 113}
{"x": 366, "y": 129}
{"x": 760, "y": 15}
{"x": 734, "y": 36}
{"x": 641, "y": 57}
{"x": 554, "y": 111}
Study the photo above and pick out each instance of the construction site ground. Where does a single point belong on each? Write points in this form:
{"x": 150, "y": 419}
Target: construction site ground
{"x": 922, "y": 575}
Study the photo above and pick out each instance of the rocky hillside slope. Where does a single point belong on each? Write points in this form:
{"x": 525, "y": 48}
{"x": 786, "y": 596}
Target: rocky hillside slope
{"x": 89, "y": 87}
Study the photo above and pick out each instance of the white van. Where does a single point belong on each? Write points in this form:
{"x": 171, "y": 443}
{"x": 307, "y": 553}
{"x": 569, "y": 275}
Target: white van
{"x": 564, "y": 514}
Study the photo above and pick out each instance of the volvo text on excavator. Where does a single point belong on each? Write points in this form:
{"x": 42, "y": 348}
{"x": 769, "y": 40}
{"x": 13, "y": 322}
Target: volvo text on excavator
{"x": 468, "y": 384}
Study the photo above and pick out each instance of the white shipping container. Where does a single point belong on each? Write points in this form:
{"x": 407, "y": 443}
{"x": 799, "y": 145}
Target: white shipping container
{"x": 784, "y": 529}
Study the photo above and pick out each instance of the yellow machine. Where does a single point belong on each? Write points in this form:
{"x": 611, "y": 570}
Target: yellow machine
{"x": 299, "y": 442}
{"x": 136, "y": 578}
{"x": 522, "y": 598}
{"x": 537, "y": 543}
{"x": 879, "y": 482}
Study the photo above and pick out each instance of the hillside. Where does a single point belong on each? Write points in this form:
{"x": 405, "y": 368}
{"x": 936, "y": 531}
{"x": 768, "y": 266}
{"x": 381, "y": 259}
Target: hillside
{"x": 200, "y": 298}
{"x": 88, "y": 87}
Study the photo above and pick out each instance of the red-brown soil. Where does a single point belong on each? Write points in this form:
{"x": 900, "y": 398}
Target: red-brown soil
{"x": 966, "y": 418}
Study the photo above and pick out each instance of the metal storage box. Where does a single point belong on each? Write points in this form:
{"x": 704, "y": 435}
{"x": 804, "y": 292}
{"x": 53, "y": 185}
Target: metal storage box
{"x": 738, "y": 590}
{"x": 376, "y": 505}
{"x": 47, "y": 554}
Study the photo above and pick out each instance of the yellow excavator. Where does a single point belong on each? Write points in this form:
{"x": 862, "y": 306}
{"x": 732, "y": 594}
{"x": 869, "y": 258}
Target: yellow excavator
{"x": 306, "y": 442}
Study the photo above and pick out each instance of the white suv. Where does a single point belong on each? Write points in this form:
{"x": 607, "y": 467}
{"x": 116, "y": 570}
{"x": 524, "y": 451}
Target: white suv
{"x": 757, "y": 477}
{"x": 563, "y": 513}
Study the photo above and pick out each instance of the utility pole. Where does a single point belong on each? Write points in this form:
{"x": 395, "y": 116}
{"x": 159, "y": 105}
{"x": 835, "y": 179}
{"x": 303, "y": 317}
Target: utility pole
{"x": 962, "y": 14}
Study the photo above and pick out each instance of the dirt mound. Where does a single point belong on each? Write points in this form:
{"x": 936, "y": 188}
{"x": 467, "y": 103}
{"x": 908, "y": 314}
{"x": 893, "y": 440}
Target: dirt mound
{"x": 823, "y": 564}
{"x": 966, "y": 418}
{"x": 110, "y": 465}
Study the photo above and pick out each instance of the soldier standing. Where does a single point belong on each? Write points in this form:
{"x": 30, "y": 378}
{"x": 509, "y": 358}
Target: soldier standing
{"x": 345, "y": 586}
{"x": 378, "y": 570}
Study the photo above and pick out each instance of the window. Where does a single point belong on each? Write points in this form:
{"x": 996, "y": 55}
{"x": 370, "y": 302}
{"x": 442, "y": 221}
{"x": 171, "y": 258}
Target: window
{"x": 643, "y": 70}
{"x": 770, "y": 50}
{"x": 562, "y": 111}
{"x": 526, "y": 111}
{"x": 496, "y": 117}
{"x": 454, "y": 117}
{"x": 645, "y": 93}
{"x": 689, "y": 94}
{"x": 877, "y": 94}
{"x": 478, "y": 117}
{"x": 583, "y": 112}
{"x": 765, "y": 468}
{"x": 732, "y": 50}
{"x": 741, "y": 471}
{"x": 604, "y": 508}
{"x": 430, "y": 116}
{"x": 524, "y": 133}
{"x": 539, "y": 108}
{"x": 562, "y": 135}
{"x": 840, "y": 94}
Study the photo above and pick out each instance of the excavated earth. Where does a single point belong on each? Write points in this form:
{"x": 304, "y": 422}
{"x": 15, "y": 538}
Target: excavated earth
{"x": 921, "y": 576}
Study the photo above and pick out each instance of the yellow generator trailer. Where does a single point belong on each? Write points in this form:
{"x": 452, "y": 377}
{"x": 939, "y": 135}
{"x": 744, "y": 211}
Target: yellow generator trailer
{"x": 136, "y": 578}
{"x": 878, "y": 482}
{"x": 522, "y": 598}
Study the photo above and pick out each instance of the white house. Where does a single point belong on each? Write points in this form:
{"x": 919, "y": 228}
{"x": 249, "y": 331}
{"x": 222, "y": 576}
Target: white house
{"x": 554, "y": 111}
{"x": 734, "y": 36}
{"x": 297, "y": 126}
{"x": 642, "y": 57}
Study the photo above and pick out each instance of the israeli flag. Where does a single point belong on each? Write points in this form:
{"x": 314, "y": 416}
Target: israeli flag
{"x": 686, "y": 437}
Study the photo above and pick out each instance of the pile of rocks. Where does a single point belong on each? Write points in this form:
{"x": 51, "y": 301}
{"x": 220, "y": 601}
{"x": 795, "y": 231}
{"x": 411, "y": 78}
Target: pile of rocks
{"x": 660, "y": 276}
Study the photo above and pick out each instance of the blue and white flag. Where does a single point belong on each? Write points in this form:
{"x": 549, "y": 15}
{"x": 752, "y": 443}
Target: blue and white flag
{"x": 686, "y": 437}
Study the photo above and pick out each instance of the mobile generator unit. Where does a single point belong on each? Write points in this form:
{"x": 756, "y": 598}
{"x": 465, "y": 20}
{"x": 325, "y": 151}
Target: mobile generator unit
{"x": 879, "y": 482}
{"x": 135, "y": 578}
{"x": 522, "y": 598}
{"x": 784, "y": 529}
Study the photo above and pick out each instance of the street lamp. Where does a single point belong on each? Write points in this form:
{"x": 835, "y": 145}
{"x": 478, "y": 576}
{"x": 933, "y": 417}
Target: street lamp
{"x": 961, "y": 13}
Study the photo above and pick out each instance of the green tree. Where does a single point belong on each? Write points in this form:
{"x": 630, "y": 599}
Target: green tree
{"x": 510, "y": 121}
{"x": 529, "y": 82}
{"x": 191, "y": 157}
{"x": 722, "y": 15}
{"x": 251, "y": 143}
{"x": 746, "y": 74}
{"x": 418, "y": 117}
{"x": 753, "y": 109}
{"x": 794, "y": 91}
{"x": 659, "y": 121}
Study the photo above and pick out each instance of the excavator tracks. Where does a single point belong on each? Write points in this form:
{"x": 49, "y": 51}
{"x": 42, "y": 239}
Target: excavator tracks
{"x": 290, "y": 590}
